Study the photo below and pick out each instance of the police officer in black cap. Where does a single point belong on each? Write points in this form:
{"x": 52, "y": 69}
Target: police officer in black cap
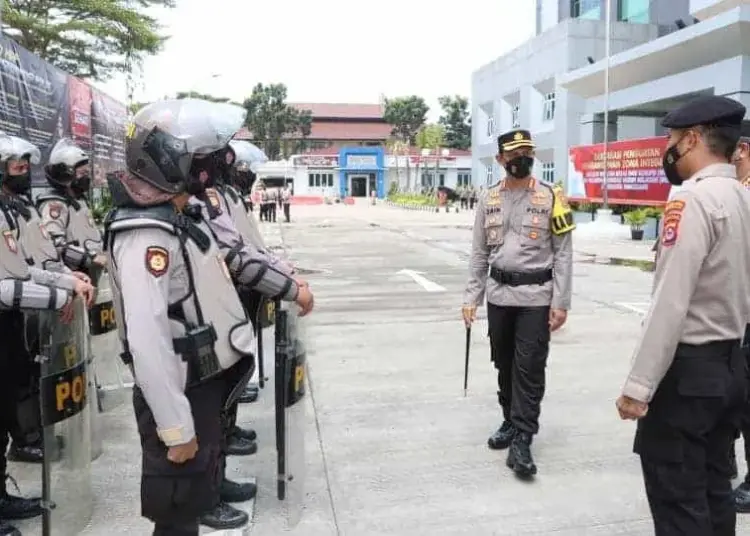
{"x": 687, "y": 384}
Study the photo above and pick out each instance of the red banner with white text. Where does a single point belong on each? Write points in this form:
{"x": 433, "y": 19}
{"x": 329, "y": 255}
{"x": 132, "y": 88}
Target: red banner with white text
{"x": 634, "y": 172}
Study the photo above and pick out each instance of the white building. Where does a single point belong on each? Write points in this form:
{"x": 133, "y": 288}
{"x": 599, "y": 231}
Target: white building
{"x": 320, "y": 174}
{"x": 547, "y": 85}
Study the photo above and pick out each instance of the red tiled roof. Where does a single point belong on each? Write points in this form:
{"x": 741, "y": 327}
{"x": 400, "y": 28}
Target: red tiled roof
{"x": 337, "y": 131}
{"x": 413, "y": 151}
{"x": 349, "y": 131}
{"x": 341, "y": 110}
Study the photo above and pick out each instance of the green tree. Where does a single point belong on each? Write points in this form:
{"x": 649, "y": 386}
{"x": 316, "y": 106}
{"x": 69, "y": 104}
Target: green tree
{"x": 272, "y": 121}
{"x": 87, "y": 38}
{"x": 406, "y": 115}
{"x": 456, "y": 120}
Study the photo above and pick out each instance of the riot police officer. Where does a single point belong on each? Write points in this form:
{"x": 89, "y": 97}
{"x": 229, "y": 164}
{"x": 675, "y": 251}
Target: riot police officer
{"x": 184, "y": 331}
{"x": 16, "y": 157}
{"x": 212, "y": 172}
{"x": 65, "y": 211}
{"x": 522, "y": 237}
{"x": 687, "y": 384}
{"x": 22, "y": 289}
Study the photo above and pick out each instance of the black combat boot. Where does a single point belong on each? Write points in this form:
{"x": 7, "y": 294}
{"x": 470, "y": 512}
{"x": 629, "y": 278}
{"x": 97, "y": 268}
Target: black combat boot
{"x": 235, "y": 492}
{"x": 12, "y": 507}
{"x": 237, "y": 446}
{"x": 502, "y": 437}
{"x": 741, "y": 497}
{"x": 32, "y": 453}
{"x": 8, "y": 530}
{"x": 519, "y": 456}
{"x": 249, "y": 395}
{"x": 244, "y": 433}
{"x": 224, "y": 517}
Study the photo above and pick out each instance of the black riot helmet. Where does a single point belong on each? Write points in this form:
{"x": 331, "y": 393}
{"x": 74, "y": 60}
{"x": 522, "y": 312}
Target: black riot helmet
{"x": 247, "y": 159}
{"x": 68, "y": 168}
{"x": 170, "y": 143}
{"x": 16, "y": 158}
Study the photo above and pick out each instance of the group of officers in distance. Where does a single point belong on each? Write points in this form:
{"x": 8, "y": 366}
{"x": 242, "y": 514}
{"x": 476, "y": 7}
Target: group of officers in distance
{"x": 688, "y": 383}
{"x": 189, "y": 276}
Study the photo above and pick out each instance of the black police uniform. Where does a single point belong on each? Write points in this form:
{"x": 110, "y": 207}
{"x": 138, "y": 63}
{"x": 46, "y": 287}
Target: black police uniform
{"x": 684, "y": 439}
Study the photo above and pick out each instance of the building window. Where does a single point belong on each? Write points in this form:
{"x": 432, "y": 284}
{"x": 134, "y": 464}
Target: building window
{"x": 586, "y": 9}
{"x": 635, "y": 11}
{"x": 548, "y": 110}
{"x": 464, "y": 178}
{"x": 320, "y": 180}
{"x": 489, "y": 173}
{"x": 515, "y": 116}
{"x": 490, "y": 127}
{"x": 548, "y": 172}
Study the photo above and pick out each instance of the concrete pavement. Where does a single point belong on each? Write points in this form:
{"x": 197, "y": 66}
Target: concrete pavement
{"x": 392, "y": 446}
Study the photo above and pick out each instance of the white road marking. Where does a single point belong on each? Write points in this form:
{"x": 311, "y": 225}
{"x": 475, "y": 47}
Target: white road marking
{"x": 637, "y": 307}
{"x": 429, "y": 286}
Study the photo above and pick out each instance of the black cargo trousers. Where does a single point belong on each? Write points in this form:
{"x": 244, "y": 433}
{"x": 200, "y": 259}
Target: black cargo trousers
{"x": 19, "y": 382}
{"x": 684, "y": 440}
{"x": 174, "y": 496}
{"x": 519, "y": 343}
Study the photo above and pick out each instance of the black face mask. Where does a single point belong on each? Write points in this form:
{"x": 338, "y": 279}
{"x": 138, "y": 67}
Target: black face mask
{"x": 669, "y": 163}
{"x": 520, "y": 167}
{"x": 80, "y": 185}
{"x": 18, "y": 184}
{"x": 200, "y": 166}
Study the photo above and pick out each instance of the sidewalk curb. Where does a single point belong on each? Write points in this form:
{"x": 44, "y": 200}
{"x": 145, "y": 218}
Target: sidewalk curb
{"x": 647, "y": 265}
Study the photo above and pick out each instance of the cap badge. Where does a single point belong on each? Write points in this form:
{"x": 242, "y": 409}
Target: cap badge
{"x": 518, "y": 136}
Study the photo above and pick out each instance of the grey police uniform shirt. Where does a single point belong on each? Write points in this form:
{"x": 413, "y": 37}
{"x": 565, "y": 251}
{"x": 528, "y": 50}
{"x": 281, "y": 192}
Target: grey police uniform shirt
{"x": 149, "y": 273}
{"x": 243, "y": 219}
{"x": 65, "y": 224}
{"x": 39, "y": 289}
{"x": 701, "y": 290}
{"x": 249, "y": 261}
{"x": 512, "y": 232}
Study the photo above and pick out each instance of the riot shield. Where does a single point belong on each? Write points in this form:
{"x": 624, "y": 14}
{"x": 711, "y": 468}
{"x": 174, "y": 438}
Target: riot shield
{"x": 112, "y": 377}
{"x": 66, "y": 472}
{"x": 289, "y": 381}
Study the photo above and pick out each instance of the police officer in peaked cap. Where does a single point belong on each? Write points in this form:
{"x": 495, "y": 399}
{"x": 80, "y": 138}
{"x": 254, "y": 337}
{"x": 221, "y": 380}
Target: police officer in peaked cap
{"x": 522, "y": 239}
{"x": 687, "y": 384}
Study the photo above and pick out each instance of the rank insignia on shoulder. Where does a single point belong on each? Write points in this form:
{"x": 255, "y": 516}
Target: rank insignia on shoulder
{"x": 157, "y": 260}
{"x": 10, "y": 241}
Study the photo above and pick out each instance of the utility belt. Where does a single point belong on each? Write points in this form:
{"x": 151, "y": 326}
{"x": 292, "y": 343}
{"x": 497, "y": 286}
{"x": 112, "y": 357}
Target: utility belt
{"x": 518, "y": 279}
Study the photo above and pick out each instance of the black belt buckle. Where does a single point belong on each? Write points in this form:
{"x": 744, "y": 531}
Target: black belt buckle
{"x": 512, "y": 279}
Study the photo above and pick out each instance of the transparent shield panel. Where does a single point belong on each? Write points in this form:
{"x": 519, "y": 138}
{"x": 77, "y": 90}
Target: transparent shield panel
{"x": 66, "y": 473}
{"x": 110, "y": 375}
{"x": 290, "y": 383}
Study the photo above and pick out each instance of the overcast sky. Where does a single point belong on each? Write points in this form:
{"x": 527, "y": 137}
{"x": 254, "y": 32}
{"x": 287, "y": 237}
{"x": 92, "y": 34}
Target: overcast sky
{"x": 330, "y": 50}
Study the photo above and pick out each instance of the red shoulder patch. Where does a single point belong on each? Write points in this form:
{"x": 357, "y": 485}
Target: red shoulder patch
{"x": 157, "y": 260}
{"x": 672, "y": 217}
{"x": 55, "y": 209}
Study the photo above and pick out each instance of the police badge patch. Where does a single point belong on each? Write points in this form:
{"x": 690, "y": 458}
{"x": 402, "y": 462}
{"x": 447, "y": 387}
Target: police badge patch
{"x": 213, "y": 198}
{"x": 55, "y": 210}
{"x": 10, "y": 241}
{"x": 157, "y": 260}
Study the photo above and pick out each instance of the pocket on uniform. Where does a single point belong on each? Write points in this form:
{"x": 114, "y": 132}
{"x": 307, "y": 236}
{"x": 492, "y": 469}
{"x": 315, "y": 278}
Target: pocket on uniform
{"x": 493, "y": 229}
{"x": 658, "y": 442}
{"x": 701, "y": 387}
